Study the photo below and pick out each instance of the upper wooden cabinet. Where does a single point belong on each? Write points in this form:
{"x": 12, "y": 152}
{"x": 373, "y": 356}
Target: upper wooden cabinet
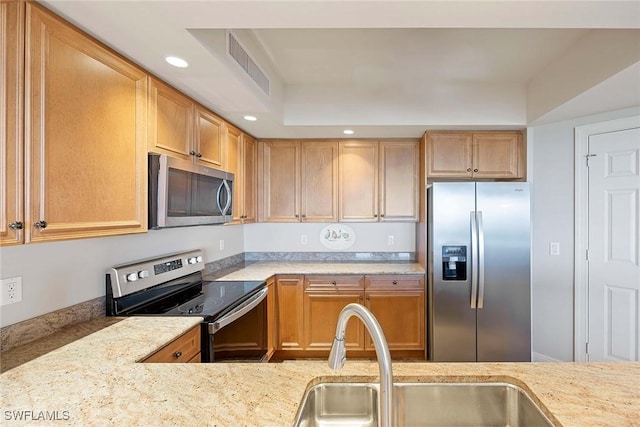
{"x": 181, "y": 128}
{"x": 378, "y": 181}
{"x": 496, "y": 155}
{"x": 11, "y": 116}
{"x": 299, "y": 181}
{"x": 241, "y": 161}
{"x": 85, "y": 133}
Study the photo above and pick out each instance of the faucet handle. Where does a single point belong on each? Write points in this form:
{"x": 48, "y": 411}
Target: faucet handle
{"x": 338, "y": 354}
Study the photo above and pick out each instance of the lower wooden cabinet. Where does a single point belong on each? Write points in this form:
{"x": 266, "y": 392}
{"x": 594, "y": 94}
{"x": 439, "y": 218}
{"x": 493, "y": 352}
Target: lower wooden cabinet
{"x": 185, "y": 348}
{"x": 398, "y": 303}
{"x": 324, "y": 299}
{"x": 308, "y": 311}
{"x": 290, "y": 312}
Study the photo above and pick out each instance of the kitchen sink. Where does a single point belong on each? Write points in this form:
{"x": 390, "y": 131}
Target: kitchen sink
{"x": 421, "y": 404}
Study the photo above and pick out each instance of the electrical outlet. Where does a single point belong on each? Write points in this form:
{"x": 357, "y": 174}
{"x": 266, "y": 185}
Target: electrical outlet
{"x": 303, "y": 239}
{"x": 221, "y": 245}
{"x": 554, "y": 248}
{"x": 11, "y": 290}
{"x": 391, "y": 240}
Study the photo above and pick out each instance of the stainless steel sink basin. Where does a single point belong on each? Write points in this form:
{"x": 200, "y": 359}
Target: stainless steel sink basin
{"x": 421, "y": 404}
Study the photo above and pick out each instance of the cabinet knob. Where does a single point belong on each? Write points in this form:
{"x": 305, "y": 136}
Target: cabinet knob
{"x": 381, "y": 215}
{"x": 475, "y": 170}
{"x": 192, "y": 153}
{"x": 177, "y": 354}
{"x": 304, "y": 216}
{"x": 198, "y": 155}
{"x": 468, "y": 169}
{"x": 16, "y": 225}
{"x": 375, "y": 215}
{"x": 367, "y": 298}
{"x": 333, "y": 283}
{"x": 395, "y": 282}
{"x": 41, "y": 224}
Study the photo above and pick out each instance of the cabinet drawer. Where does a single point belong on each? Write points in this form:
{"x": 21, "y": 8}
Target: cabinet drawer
{"x": 333, "y": 283}
{"x": 396, "y": 282}
{"x": 183, "y": 349}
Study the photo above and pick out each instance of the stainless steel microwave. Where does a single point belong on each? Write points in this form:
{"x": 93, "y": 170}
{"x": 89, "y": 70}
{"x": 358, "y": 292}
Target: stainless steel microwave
{"x": 182, "y": 193}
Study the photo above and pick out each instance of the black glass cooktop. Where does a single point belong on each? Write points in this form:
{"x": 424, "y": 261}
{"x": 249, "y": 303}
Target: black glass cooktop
{"x": 216, "y": 298}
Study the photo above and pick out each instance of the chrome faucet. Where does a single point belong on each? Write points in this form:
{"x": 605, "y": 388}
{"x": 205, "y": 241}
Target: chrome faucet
{"x": 338, "y": 356}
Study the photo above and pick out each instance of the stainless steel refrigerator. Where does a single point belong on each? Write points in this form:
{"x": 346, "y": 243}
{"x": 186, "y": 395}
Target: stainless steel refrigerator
{"x": 479, "y": 272}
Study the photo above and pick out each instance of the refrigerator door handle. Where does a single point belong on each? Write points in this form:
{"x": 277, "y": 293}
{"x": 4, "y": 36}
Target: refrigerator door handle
{"x": 480, "y": 261}
{"x": 474, "y": 260}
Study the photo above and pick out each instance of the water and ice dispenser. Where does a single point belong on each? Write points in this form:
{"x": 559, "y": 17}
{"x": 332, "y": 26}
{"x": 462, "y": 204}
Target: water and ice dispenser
{"x": 454, "y": 263}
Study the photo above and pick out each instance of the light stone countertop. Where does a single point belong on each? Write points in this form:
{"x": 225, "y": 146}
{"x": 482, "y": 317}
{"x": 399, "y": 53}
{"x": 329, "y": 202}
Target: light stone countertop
{"x": 264, "y": 270}
{"x": 95, "y": 381}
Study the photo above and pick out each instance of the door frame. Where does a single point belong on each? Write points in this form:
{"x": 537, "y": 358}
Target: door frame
{"x": 581, "y": 270}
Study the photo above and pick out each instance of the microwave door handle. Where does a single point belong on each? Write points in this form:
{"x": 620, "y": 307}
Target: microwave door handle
{"x": 218, "y": 198}
{"x": 240, "y": 311}
{"x": 225, "y": 183}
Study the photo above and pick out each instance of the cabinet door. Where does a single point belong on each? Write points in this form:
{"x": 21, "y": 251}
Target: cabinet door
{"x": 249, "y": 177}
{"x": 290, "y": 312}
{"x": 209, "y": 139}
{"x": 319, "y": 181}
{"x": 171, "y": 121}
{"x": 11, "y": 116}
{"x": 449, "y": 155}
{"x": 233, "y": 147}
{"x": 399, "y": 170}
{"x": 324, "y": 299}
{"x": 281, "y": 169}
{"x": 85, "y": 128}
{"x": 398, "y": 302}
{"x": 497, "y": 155}
{"x": 358, "y": 187}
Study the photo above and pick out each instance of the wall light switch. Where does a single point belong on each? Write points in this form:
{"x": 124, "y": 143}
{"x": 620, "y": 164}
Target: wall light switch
{"x": 391, "y": 240}
{"x": 222, "y": 245}
{"x": 11, "y": 290}
{"x": 554, "y": 248}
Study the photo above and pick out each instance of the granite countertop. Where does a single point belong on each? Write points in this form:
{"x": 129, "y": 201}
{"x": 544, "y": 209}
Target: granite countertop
{"x": 264, "y": 270}
{"x": 95, "y": 381}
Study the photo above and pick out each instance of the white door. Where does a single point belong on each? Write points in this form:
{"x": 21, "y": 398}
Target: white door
{"x": 614, "y": 245}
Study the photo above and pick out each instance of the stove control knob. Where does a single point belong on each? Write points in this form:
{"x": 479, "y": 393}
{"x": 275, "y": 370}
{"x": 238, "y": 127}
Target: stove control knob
{"x": 132, "y": 277}
{"x": 191, "y": 260}
{"x": 143, "y": 273}
{"x": 199, "y": 258}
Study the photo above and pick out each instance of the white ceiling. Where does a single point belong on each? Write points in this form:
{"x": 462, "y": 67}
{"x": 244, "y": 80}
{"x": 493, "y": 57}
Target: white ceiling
{"x": 383, "y": 68}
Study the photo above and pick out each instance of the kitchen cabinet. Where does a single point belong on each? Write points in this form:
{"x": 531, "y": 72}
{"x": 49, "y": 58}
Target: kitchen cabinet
{"x": 324, "y": 299}
{"x": 397, "y": 301}
{"x": 378, "y": 181}
{"x": 290, "y": 312}
{"x": 299, "y": 181}
{"x": 242, "y": 163}
{"x": 185, "y": 348}
{"x": 272, "y": 317}
{"x": 477, "y": 155}
{"x": 11, "y": 115}
{"x": 85, "y": 135}
{"x": 181, "y": 128}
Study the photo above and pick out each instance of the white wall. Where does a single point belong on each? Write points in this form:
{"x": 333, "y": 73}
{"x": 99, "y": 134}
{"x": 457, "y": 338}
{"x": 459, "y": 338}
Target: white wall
{"x": 370, "y": 237}
{"x": 60, "y": 274}
{"x": 553, "y": 221}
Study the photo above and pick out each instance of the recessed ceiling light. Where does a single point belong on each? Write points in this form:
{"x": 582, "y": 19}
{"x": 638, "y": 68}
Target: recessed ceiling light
{"x": 347, "y": 132}
{"x": 250, "y": 118}
{"x": 176, "y": 62}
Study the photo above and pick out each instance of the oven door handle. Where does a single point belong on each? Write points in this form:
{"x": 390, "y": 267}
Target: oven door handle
{"x": 239, "y": 311}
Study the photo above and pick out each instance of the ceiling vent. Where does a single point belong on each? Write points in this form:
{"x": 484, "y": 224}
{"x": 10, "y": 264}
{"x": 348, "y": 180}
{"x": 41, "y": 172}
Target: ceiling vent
{"x": 240, "y": 55}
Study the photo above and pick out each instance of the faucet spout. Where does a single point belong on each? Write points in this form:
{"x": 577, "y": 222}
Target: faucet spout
{"x": 338, "y": 356}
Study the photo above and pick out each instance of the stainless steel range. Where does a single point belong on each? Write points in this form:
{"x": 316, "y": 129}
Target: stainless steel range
{"x": 234, "y": 312}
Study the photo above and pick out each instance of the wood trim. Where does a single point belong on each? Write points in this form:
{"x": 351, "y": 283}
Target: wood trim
{"x": 11, "y": 121}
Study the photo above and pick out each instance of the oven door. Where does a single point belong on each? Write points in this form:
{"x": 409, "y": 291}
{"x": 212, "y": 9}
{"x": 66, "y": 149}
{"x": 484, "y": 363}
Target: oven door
{"x": 240, "y": 335}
